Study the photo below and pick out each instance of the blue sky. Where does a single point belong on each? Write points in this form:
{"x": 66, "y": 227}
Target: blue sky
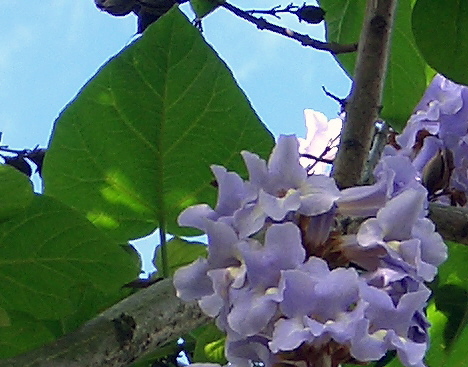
{"x": 50, "y": 48}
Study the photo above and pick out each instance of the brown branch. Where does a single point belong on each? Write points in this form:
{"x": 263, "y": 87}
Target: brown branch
{"x": 451, "y": 222}
{"x": 305, "y": 40}
{"x": 124, "y": 333}
{"x": 364, "y": 103}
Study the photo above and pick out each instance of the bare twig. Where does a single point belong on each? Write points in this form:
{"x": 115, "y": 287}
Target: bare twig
{"x": 275, "y": 10}
{"x": 341, "y": 101}
{"x": 364, "y": 104}
{"x": 305, "y": 40}
{"x": 318, "y": 159}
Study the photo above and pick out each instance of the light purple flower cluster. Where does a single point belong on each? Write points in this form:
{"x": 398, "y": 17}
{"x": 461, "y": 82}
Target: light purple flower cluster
{"x": 286, "y": 286}
{"x": 436, "y": 141}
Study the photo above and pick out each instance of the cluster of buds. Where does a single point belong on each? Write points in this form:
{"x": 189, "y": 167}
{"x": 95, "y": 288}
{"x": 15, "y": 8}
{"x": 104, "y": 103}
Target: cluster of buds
{"x": 287, "y": 286}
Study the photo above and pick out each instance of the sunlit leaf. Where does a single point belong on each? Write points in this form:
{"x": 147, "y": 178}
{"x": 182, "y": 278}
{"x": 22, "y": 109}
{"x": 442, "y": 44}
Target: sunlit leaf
{"x": 135, "y": 147}
{"x": 47, "y": 250}
{"x": 209, "y": 345}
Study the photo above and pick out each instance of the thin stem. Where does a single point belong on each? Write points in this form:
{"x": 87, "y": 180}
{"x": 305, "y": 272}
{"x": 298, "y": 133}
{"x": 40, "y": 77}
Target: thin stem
{"x": 364, "y": 104}
{"x": 304, "y": 39}
{"x": 274, "y": 11}
{"x": 163, "y": 244}
{"x": 319, "y": 159}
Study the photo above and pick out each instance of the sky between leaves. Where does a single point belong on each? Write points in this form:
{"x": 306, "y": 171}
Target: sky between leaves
{"x": 49, "y": 49}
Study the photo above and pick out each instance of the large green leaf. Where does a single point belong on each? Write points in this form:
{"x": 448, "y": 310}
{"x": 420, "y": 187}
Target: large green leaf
{"x": 15, "y": 191}
{"x": 441, "y": 31}
{"x": 407, "y": 73}
{"x": 22, "y": 334}
{"x": 134, "y": 148}
{"x": 48, "y": 251}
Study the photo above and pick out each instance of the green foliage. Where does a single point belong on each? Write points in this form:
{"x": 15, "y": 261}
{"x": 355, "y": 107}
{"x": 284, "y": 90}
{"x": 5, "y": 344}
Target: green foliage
{"x": 144, "y": 131}
{"x": 203, "y": 7}
{"x": 209, "y": 345}
{"x": 407, "y": 73}
{"x": 448, "y": 312}
{"x": 179, "y": 253}
{"x": 52, "y": 260}
{"x": 22, "y": 333}
{"x": 441, "y": 32}
{"x": 60, "y": 250}
{"x": 16, "y": 191}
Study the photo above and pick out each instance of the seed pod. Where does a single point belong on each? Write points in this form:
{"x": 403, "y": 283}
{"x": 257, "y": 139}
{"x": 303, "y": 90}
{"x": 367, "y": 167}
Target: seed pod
{"x": 20, "y": 164}
{"x": 310, "y": 14}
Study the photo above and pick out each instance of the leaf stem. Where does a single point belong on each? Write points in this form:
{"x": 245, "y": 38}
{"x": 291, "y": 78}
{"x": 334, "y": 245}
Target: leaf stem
{"x": 163, "y": 244}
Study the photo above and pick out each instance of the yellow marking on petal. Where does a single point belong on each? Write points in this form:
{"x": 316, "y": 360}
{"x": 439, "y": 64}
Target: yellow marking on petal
{"x": 394, "y": 245}
{"x": 272, "y": 290}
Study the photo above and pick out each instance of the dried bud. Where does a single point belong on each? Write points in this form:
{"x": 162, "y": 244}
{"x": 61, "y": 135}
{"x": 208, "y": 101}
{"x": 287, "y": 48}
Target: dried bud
{"x": 310, "y": 14}
{"x": 20, "y": 164}
{"x": 37, "y": 157}
{"x": 116, "y": 7}
{"x": 437, "y": 172}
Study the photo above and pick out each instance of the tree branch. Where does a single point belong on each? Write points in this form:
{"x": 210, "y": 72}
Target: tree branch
{"x": 304, "y": 39}
{"x": 450, "y": 222}
{"x": 364, "y": 103}
{"x": 119, "y": 336}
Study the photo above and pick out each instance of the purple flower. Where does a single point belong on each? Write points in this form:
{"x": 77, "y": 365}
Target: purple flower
{"x": 284, "y": 185}
{"x": 254, "y": 304}
{"x": 387, "y": 326}
{"x": 393, "y": 174}
{"x": 273, "y": 191}
{"x": 407, "y": 238}
{"x": 318, "y": 305}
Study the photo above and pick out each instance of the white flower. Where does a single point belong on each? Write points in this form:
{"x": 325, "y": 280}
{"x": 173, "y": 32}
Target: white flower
{"x": 322, "y": 134}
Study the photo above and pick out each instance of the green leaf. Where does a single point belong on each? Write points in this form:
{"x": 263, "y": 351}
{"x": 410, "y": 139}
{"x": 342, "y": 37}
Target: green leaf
{"x": 48, "y": 250}
{"x": 15, "y": 191}
{"x": 134, "y": 148}
{"x": 440, "y": 28}
{"x": 180, "y": 253}
{"x": 209, "y": 346}
{"x": 161, "y": 354}
{"x": 88, "y": 301}
{"x": 448, "y": 312}
{"x": 203, "y": 7}
{"x": 407, "y": 72}
{"x": 23, "y": 333}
